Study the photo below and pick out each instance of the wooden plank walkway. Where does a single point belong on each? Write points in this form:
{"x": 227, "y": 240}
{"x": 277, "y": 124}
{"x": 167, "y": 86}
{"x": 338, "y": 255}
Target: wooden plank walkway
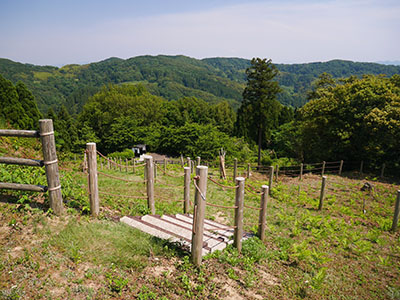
{"x": 178, "y": 229}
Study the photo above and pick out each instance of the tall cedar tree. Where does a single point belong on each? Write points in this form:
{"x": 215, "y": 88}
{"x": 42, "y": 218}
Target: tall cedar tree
{"x": 259, "y": 111}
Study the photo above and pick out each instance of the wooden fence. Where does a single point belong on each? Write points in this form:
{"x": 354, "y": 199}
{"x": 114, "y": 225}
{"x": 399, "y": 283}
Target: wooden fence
{"x": 50, "y": 162}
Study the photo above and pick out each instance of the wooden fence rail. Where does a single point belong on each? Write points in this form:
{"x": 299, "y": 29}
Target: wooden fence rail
{"x": 50, "y": 162}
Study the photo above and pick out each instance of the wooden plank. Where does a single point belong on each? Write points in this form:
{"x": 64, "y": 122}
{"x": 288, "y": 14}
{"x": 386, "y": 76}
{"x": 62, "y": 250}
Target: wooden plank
{"x": 19, "y": 133}
{"x": 22, "y": 187}
{"x": 21, "y": 161}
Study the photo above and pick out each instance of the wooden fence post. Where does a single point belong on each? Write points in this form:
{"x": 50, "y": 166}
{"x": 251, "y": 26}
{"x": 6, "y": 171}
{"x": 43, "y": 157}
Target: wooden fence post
{"x": 322, "y": 195}
{"x": 323, "y": 168}
{"x": 198, "y": 214}
{"x": 301, "y": 171}
{"x": 234, "y": 169}
{"x": 248, "y": 170}
{"x": 108, "y": 164}
{"x": 182, "y": 162}
{"x": 165, "y": 165}
{"x": 51, "y": 165}
{"x": 150, "y": 183}
{"x": 188, "y": 162}
{"x": 93, "y": 184}
{"x": 263, "y": 212}
{"x": 341, "y": 167}
{"x": 134, "y": 166}
{"x": 271, "y": 178}
{"x": 186, "y": 190}
{"x": 198, "y": 161}
{"x": 239, "y": 203}
{"x": 361, "y": 167}
{"x": 382, "y": 170}
{"x": 396, "y": 212}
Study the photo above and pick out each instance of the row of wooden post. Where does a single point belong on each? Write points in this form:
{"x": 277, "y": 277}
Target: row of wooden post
{"x": 199, "y": 213}
{"x": 50, "y": 162}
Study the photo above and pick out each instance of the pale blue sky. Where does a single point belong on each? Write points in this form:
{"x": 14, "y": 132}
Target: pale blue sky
{"x": 56, "y": 32}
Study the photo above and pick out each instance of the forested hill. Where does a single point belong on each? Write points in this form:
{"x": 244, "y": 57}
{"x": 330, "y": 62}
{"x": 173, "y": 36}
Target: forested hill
{"x": 173, "y": 77}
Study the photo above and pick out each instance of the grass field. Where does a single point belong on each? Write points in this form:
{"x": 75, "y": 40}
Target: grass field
{"x": 341, "y": 252}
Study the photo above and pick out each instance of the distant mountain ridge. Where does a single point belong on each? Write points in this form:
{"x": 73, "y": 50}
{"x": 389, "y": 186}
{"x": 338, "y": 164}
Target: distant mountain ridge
{"x": 172, "y": 77}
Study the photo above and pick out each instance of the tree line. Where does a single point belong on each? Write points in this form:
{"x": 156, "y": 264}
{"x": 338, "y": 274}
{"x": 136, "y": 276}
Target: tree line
{"x": 351, "y": 118}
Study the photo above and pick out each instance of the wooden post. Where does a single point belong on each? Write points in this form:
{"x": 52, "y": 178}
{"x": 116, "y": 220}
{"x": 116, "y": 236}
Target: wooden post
{"x": 165, "y": 165}
{"x": 93, "y": 185}
{"x": 321, "y": 197}
{"x": 51, "y": 165}
{"x": 271, "y": 178}
{"x": 186, "y": 191}
{"x": 198, "y": 214}
{"x": 301, "y": 171}
{"x": 235, "y": 174}
{"x": 150, "y": 183}
{"x": 341, "y": 167}
{"x": 323, "y": 168}
{"x": 134, "y": 165}
{"x": 108, "y": 164}
{"x": 382, "y": 170}
{"x": 248, "y": 170}
{"x": 182, "y": 162}
{"x": 188, "y": 162}
{"x": 276, "y": 173}
{"x": 361, "y": 167}
{"x": 239, "y": 203}
{"x": 396, "y": 212}
{"x": 198, "y": 160}
{"x": 263, "y": 212}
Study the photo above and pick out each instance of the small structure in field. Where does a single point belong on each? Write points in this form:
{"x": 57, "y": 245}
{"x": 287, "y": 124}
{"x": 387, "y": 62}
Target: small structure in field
{"x": 139, "y": 150}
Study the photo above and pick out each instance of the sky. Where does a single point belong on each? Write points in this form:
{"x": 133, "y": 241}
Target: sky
{"x": 59, "y": 32}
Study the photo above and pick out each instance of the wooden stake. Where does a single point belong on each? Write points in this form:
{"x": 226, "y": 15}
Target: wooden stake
{"x": 361, "y": 167}
{"x": 323, "y": 168}
{"x": 198, "y": 161}
{"x": 186, "y": 191}
{"x": 263, "y": 212}
{"x": 301, "y": 171}
{"x": 165, "y": 165}
{"x": 150, "y": 184}
{"x": 51, "y": 165}
{"x": 248, "y": 170}
{"x": 93, "y": 183}
{"x": 271, "y": 178}
{"x": 239, "y": 203}
{"x": 341, "y": 167}
{"x": 235, "y": 174}
{"x": 198, "y": 215}
{"x": 134, "y": 165}
{"x": 322, "y": 195}
{"x": 396, "y": 213}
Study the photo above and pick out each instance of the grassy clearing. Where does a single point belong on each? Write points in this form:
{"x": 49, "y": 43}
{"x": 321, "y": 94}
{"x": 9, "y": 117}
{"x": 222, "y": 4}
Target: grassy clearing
{"x": 340, "y": 252}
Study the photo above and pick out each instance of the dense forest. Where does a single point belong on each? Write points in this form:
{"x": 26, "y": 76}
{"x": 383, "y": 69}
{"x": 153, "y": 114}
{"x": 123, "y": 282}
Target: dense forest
{"x": 172, "y": 77}
{"x": 352, "y": 118}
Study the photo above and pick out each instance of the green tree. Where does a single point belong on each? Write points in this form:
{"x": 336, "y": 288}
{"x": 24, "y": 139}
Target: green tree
{"x": 259, "y": 111}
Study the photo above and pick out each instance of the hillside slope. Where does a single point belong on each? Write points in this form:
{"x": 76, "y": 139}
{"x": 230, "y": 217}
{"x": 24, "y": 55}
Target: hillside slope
{"x": 173, "y": 77}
